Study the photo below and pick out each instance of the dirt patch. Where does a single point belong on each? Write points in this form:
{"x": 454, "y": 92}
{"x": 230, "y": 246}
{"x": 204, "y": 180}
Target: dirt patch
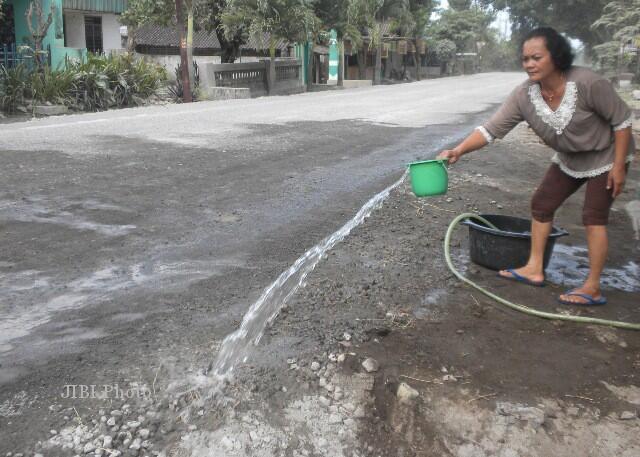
{"x": 475, "y": 379}
{"x": 490, "y": 381}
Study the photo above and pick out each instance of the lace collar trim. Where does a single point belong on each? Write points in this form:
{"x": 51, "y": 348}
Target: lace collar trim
{"x": 560, "y": 118}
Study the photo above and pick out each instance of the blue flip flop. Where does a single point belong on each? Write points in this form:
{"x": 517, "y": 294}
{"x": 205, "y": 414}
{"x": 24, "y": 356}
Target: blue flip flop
{"x": 519, "y": 278}
{"x": 590, "y": 301}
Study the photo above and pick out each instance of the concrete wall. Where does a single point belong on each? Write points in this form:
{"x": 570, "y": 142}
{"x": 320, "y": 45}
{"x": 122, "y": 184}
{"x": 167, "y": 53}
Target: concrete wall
{"x": 353, "y": 83}
{"x": 111, "y": 38}
{"x": 170, "y": 63}
{"x": 54, "y": 37}
{"x": 75, "y": 30}
{"x": 23, "y": 35}
{"x": 261, "y": 78}
{"x": 74, "y": 22}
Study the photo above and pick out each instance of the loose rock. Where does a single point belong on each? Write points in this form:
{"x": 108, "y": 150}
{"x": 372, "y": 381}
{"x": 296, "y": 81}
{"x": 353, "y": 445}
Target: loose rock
{"x": 407, "y": 394}
{"x": 370, "y": 365}
{"x": 627, "y": 415}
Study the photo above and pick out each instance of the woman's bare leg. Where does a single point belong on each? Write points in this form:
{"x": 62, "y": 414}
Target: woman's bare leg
{"x": 598, "y": 244}
{"x": 534, "y": 269}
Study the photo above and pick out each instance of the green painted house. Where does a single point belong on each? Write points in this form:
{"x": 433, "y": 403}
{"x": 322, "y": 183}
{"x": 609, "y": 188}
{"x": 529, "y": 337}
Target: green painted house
{"x": 78, "y": 26}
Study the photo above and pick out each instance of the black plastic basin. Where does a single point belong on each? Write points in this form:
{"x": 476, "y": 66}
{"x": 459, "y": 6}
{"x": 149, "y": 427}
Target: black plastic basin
{"x": 507, "y": 247}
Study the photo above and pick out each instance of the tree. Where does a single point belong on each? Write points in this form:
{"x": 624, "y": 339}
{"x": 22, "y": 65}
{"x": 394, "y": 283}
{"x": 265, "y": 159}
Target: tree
{"x": 445, "y": 51}
{"x": 184, "y": 62}
{"x": 291, "y": 20}
{"x": 464, "y": 27}
{"x": 339, "y": 16}
{"x": 142, "y": 12}
{"x": 460, "y": 4}
{"x": 375, "y": 15}
{"x": 412, "y": 23}
{"x": 572, "y": 17}
{"x": 209, "y": 17}
{"x": 161, "y": 12}
{"x": 619, "y": 26}
{"x": 38, "y": 26}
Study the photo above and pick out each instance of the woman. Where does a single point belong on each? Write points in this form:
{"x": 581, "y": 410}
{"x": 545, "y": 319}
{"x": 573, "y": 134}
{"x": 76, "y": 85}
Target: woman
{"x": 578, "y": 114}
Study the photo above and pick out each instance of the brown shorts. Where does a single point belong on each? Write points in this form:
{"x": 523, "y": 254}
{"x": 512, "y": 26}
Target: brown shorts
{"x": 557, "y": 186}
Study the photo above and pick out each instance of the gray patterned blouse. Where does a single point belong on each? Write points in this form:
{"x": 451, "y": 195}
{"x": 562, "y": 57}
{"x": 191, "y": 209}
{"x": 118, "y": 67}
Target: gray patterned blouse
{"x": 581, "y": 130}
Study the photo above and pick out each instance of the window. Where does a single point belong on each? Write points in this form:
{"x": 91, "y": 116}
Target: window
{"x": 93, "y": 33}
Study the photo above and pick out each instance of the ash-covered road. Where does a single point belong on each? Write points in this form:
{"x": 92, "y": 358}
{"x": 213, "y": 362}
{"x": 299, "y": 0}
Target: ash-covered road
{"x": 132, "y": 236}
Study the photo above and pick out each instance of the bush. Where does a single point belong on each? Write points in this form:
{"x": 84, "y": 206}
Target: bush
{"x": 51, "y": 86}
{"x": 14, "y": 87}
{"x": 176, "y": 90}
{"x": 99, "y": 83}
{"x": 109, "y": 81}
{"x": 445, "y": 50}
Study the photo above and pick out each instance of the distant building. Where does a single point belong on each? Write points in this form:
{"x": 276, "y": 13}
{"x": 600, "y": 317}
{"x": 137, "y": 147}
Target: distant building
{"x": 78, "y": 26}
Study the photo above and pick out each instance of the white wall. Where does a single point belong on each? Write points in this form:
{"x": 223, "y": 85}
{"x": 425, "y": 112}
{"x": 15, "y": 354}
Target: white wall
{"x": 74, "y": 23}
{"x": 111, "y": 32}
{"x": 171, "y": 62}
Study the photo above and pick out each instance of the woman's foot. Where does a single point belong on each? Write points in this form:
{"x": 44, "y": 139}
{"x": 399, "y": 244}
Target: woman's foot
{"x": 526, "y": 275}
{"x": 585, "y": 295}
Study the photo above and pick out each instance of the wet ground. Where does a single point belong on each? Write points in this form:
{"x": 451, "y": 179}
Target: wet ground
{"x": 487, "y": 380}
{"x": 158, "y": 256}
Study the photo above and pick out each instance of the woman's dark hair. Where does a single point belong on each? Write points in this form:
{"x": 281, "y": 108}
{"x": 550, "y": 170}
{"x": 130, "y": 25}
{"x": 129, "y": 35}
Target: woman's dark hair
{"x": 558, "y": 46}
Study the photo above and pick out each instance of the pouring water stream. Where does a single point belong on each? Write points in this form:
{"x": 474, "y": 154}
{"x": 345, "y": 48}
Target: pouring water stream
{"x": 236, "y": 347}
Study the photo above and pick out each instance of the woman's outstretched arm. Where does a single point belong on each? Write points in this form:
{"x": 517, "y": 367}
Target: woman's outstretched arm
{"x": 476, "y": 140}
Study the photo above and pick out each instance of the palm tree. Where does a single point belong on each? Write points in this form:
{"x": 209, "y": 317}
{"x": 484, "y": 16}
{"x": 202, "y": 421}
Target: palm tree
{"x": 376, "y": 14}
{"x": 291, "y": 20}
{"x": 412, "y": 23}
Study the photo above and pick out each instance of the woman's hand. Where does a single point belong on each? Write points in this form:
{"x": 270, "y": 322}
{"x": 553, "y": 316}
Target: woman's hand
{"x": 616, "y": 179}
{"x": 452, "y": 155}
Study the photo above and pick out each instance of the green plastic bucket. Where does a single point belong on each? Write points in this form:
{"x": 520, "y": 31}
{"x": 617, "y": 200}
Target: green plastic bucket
{"x": 429, "y": 177}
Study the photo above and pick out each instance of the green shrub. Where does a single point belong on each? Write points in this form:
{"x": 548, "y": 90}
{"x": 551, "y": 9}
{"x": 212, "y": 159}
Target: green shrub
{"x": 48, "y": 85}
{"x": 176, "y": 90}
{"x": 97, "y": 83}
{"x": 14, "y": 87}
{"x": 121, "y": 80}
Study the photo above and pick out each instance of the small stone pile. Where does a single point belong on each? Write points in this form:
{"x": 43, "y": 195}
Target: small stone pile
{"x": 120, "y": 432}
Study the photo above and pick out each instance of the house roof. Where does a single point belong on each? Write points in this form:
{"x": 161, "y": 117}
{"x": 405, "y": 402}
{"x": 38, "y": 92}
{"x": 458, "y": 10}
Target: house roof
{"x": 103, "y": 6}
{"x": 155, "y": 35}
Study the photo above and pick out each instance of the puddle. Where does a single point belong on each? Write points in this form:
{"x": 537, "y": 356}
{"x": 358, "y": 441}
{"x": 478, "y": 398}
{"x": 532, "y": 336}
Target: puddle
{"x": 570, "y": 265}
{"x": 431, "y": 304}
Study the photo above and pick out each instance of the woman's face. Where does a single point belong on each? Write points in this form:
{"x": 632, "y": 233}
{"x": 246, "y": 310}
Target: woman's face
{"x": 536, "y": 59}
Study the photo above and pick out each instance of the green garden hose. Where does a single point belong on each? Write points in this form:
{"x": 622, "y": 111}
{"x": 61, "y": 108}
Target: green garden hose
{"x": 521, "y": 308}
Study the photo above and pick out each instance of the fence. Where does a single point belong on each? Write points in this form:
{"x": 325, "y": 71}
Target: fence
{"x": 251, "y": 75}
{"x": 11, "y": 57}
{"x": 266, "y": 77}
